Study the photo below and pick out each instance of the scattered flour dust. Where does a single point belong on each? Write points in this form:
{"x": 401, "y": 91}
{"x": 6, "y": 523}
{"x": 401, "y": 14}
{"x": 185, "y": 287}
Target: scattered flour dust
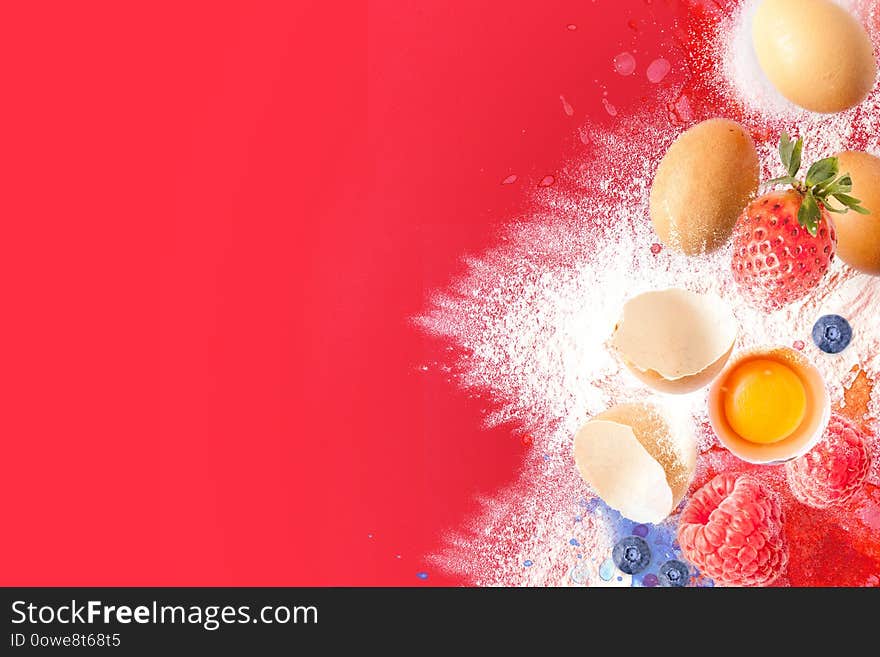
{"x": 531, "y": 321}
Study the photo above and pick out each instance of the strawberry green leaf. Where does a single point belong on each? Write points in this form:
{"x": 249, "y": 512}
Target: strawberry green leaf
{"x": 809, "y": 214}
{"x": 782, "y": 180}
{"x": 821, "y": 185}
{"x": 822, "y": 171}
{"x": 846, "y": 199}
{"x": 844, "y": 183}
{"x": 851, "y": 203}
{"x": 795, "y": 163}
{"x": 786, "y": 149}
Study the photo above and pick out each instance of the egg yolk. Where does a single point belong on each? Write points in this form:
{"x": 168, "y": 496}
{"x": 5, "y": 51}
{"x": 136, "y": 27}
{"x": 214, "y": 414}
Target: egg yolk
{"x": 764, "y": 401}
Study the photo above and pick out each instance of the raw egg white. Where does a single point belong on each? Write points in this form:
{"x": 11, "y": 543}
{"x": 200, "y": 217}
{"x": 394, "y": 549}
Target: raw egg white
{"x": 815, "y": 53}
{"x": 637, "y": 459}
{"x": 702, "y": 184}
{"x": 769, "y": 405}
{"x": 674, "y": 340}
{"x": 858, "y": 235}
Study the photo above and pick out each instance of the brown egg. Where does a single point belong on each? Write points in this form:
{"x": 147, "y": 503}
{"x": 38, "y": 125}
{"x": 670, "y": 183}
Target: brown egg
{"x": 637, "y": 459}
{"x": 858, "y": 235}
{"x": 816, "y": 53}
{"x": 675, "y": 341}
{"x": 702, "y": 184}
{"x": 769, "y": 405}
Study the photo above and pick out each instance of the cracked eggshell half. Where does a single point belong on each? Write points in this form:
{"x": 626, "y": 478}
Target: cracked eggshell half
{"x": 637, "y": 459}
{"x": 675, "y": 341}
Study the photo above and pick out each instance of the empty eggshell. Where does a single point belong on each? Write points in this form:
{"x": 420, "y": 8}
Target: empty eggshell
{"x": 815, "y": 53}
{"x": 674, "y": 340}
{"x": 702, "y": 184}
{"x": 858, "y": 235}
{"x": 638, "y": 460}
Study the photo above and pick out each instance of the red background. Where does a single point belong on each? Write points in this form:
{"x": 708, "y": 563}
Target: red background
{"x": 218, "y": 219}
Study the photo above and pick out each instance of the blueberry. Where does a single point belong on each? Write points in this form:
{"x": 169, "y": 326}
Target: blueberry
{"x": 631, "y": 554}
{"x": 832, "y": 333}
{"x": 674, "y": 573}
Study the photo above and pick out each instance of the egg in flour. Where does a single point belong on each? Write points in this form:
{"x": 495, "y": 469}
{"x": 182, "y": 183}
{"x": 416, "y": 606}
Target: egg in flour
{"x": 858, "y": 235}
{"x": 815, "y": 52}
{"x": 702, "y": 184}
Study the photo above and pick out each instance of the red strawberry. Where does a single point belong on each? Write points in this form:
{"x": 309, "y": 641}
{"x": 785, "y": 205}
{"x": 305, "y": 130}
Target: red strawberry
{"x": 731, "y": 530}
{"x": 785, "y": 240}
{"x": 775, "y": 260}
{"x": 834, "y": 470}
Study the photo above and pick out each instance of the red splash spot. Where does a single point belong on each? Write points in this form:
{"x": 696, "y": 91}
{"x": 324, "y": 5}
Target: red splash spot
{"x": 680, "y": 111}
{"x": 566, "y": 107}
{"x": 763, "y": 133}
{"x": 656, "y": 248}
{"x": 611, "y": 109}
{"x": 657, "y": 70}
{"x": 624, "y": 64}
{"x": 823, "y": 553}
{"x": 527, "y": 440}
{"x": 799, "y": 345}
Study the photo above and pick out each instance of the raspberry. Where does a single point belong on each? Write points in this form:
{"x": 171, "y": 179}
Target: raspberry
{"x": 834, "y": 469}
{"x": 731, "y": 530}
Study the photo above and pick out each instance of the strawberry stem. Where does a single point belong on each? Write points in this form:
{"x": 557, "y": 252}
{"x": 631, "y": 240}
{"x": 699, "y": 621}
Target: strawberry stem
{"x": 821, "y": 183}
